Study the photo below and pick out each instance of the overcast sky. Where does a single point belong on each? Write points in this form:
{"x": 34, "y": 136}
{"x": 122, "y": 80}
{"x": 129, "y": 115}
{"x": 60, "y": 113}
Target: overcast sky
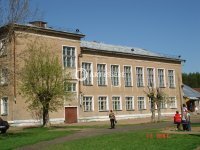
{"x": 164, "y": 26}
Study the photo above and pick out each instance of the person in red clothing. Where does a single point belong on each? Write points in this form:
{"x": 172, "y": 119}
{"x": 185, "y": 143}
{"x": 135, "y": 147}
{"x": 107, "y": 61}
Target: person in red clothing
{"x": 177, "y": 120}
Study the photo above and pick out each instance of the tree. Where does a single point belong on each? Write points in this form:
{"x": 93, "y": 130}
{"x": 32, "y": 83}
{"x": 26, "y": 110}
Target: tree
{"x": 12, "y": 12}
{"x": 157, "y": 97}
{"x": 43, "y": 80}
{"x": 191, "y": 79}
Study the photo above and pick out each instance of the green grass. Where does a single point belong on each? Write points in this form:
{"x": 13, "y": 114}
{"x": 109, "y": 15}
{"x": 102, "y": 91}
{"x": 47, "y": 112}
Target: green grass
{"x": 30, "y": 136}
{"x": 132, "y": 140}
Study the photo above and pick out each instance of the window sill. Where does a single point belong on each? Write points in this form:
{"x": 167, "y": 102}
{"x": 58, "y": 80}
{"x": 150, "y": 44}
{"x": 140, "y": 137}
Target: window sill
{"x": 102, "y": 85}
{"x": 117, "y": 110}
{"x": 131, "y": 110}
{"x": 4, "y": 114}
{"x": 87, "y": 85}
{"x": 129, "y": 86}
{"x": 103, "y": 110}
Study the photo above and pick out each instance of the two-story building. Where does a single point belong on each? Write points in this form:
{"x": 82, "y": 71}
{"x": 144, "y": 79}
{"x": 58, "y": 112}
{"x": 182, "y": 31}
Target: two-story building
{"x": 104, "y": 77}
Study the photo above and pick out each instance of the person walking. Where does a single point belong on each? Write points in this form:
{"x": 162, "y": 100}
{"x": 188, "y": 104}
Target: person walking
{"x": 177, "y": 120}
{"x": 188, "y": 121}
{"x": 112, "y": 119}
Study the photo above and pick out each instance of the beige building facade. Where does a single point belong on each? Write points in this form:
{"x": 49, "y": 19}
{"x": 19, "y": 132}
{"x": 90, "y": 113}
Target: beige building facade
{"x": 104, "y": 77}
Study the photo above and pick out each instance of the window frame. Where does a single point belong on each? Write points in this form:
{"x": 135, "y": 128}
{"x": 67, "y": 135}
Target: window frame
{"x": 144, "y": 108}
{"x": 132, "y": 105}
{"x": 153, "y": 83}
{"x": 119, "y": 103}
{"x": 4, "y": 109}
{"x": 65, "y": 56}
{"x": 105, "y": 75}
{"x": 91, "y": 105}
{"x": 113, "y": 77}
{"x": 169, "y": 83}
{"x": 106, "y": 104}
{"x": 138, "y": 84}
{"x": 90, "y": 82}
{"x": 131, "y": 78}
{"x": 159, "y": 79}
{"x": 175, "y": 102}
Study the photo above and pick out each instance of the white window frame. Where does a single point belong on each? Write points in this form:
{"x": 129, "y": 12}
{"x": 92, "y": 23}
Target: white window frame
{"x": 138, "y": 84}
{"x": 139, "y": 101}
{"x": 163, "y": 104}
{"x": 4, "y": 106}
{"x": 132, "y": 103}
{"x": 158, "y": 77}
{"x": 106, "y": 103}
{"x": 3, "y": 76}
{"x": 113, "y": 77}
{"x": 175, "y": 102}
{"x": 73, "y": 64}
{"x": 3, "y": 50}
{"x": 153, "y": 77}
{"x": 174, "y": 83}
{"x": 131, "y": 79}
{"x": 105, "y": 75}
{"x": 87, "y": 77}
{"x": 72, "y": 87}
{"x": 84, "y": 104}
{"x": 119, "y": 103}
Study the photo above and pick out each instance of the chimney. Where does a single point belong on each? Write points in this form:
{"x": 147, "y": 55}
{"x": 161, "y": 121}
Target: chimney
{"x": 41, "y": 24}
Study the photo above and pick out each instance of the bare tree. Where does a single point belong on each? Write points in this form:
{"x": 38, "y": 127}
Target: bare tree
{"x": 12, "y": 12}
{"x": 44, "y": 84}
{"x": 157, "y": 97}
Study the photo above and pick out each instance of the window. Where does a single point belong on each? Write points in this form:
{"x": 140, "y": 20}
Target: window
{"x": 163, "y": 104}
{"x": 150, "y": 77}
{"x": 87, "y": 103}
{"x": 141, "y": 103}
{"x": 70, "y": 87}
{"x": 87, "y": 73}
{"x": 139, "y": 76}
{"x": 127, "y": 75}
{"x": 103, "y": 103}
{"x": 129, "y": 103}
{"x": 173, "y": 103}
{"x": 161, "y": 78}
{"x": 4, "y": 76}
{"x": 101, "y": 71}
{"x": 3, "y": 50}
{"x": 116, "y": 103}
{"x": 69, "y": 57}
{"x": 4, "y": 106}
{"x": 115, "y": 75}
{"x": 171, "y": 78}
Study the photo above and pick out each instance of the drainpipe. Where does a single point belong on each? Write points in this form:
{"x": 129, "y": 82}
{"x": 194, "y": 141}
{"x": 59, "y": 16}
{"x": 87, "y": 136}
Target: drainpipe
{"x": 14, "y": 71}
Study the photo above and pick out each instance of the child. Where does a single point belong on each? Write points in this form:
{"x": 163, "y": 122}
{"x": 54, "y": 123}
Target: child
{"x": 177, "y": 120}
{"x": 188, "y": 121}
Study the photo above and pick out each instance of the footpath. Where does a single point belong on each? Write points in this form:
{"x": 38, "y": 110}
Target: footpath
{"x": 131, "y": 125}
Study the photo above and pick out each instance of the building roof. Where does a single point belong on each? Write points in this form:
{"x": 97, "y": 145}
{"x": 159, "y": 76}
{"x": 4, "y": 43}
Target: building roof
{"x": 197, "y": 89}
{"x": 102, "y": 47}
{"x": 190, "y": 93}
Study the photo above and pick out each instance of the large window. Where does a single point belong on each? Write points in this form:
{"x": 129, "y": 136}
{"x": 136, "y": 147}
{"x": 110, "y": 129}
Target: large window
{"x": 69, "y": 56}
{"x": 163, "y": 104}
{"x": 87, "y": 103}
{"x": 151, "y": 104}
{"x": 87, "y": 73}
{"x": 4, "y": 76}
{"x": 139, "y": 76}
{"x": 115, "y": 75}
{"x": 141, "y": 103}
{"x": 103, "y": 103}
{"x": 70, "y": 87}
{"x": 173, "y": 103}
{"x": 150, "y": 77}
{"x": 127, "y": 76}
{"x": 161, "y": 79}
{"x": 116, "y": 103}
{"x": 3, "y": 50}
{"x": 4, "y": 106}
{"x": 129, "y": 103}
{"x": 101, "y": 71}
{"x": 171, "y": 78}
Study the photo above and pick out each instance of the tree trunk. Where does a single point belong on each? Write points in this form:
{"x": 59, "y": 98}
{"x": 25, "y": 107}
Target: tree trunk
{"x": 159, "y": 111}
{"x": 45, "y": 115}
{"x": 153, "y": 116}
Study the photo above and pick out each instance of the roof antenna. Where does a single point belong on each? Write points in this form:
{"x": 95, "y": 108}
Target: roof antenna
{"x": 132, "y": 49}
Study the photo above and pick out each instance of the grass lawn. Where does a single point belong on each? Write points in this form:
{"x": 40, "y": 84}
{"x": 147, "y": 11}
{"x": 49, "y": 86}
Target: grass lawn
{"x": 28, "y": 136}
{"x": 133, "y": 140}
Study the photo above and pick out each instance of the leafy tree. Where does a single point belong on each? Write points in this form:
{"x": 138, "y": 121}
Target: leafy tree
{"x": 43, "y": 80}
{"x": 191, "y": 79}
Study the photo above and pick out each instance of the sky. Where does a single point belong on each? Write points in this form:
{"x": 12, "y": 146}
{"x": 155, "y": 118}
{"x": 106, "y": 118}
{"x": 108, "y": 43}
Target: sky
{"x": 165, "y": 26}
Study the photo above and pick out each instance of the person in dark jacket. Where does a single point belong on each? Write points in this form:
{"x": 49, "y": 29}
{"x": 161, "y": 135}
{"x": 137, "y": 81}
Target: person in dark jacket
{"x": 112, "y": 119}
{"x": 4, "y": 126}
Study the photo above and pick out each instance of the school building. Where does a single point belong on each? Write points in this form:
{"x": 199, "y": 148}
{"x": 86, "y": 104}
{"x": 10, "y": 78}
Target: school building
{"x": 104, "y": 76}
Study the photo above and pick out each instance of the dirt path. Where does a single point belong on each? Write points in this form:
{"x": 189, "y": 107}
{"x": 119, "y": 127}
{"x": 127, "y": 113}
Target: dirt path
{"x": 84, "y": 133}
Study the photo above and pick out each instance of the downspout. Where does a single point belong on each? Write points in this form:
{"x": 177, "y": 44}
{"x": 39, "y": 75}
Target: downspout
{"x": 14, "y": 71}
